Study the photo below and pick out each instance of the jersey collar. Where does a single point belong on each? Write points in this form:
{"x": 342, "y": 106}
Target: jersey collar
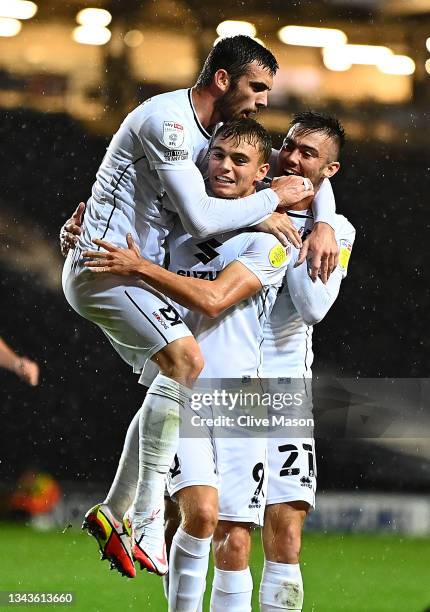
{"x": 196, "y": 119}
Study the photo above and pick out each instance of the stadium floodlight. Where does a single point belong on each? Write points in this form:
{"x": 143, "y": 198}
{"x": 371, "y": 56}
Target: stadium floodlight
{"x": 365, "y": 54}
{"x": 333, "y": 60}
{"x": 397, "y": 64}
{"x": 88, "y": 35}
{"x": 233, "y": 28}
{"x": 427, "y": 66}
{"x": 311, "y": 37}
{"x": 9, "y": 27}
{"x": 94, "y": 17}
{"x": 17, "y": 9}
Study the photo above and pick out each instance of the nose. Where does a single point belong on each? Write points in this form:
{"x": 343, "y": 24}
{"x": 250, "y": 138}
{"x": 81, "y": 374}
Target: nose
{"x": 261, "y": 100}
{"x": 293, "y": 156}
{"x": 225, "y": 165}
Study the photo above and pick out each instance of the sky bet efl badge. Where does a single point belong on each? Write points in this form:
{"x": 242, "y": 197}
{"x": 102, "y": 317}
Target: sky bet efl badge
{"x": 173, "y": 134}
{"x": 278, "y": 255}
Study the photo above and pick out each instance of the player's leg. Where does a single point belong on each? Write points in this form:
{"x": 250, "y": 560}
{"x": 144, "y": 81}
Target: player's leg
{"x": 232, "y": 585}
{"x": 291, "y": 494}
{"x": 282, "y": 585}
{"x": 141, "y": 324}
{"x": 192, "y": 481}
{"x": 241, "y": 465}
{"x": 180, "y": 363}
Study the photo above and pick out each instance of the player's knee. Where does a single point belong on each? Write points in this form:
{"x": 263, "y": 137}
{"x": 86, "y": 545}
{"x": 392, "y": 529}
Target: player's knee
{"x": 233, "y": 540}
{"x": 181, "y": 360}
{"x": 201, "y": 520}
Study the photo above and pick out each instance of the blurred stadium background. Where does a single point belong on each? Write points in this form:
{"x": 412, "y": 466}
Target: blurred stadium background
{"x": 63, "y": 92}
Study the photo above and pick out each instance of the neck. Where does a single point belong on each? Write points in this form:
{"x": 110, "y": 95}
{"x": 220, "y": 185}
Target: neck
{"x": 204, "y": 104}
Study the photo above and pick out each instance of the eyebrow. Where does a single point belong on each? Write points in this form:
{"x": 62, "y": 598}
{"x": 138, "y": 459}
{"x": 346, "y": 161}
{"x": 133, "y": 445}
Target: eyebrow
{"x": 235, "y": 153}
{"x": 288, "y": 139}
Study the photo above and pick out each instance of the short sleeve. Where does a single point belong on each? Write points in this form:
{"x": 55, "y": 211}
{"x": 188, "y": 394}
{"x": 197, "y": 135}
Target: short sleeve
{"x": 265, "y": 257}
{"x": 166, "y": 140}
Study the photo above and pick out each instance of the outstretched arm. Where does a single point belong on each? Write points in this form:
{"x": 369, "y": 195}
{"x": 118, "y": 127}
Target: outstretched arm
{"x": 23, "y": 367}
{"x": 234, "y": 284}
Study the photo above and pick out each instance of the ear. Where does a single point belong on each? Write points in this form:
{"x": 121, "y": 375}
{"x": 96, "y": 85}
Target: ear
{"x": 331, "y": 169}
{"x": 222, "y": 80}
{"x": 262, "y": 171}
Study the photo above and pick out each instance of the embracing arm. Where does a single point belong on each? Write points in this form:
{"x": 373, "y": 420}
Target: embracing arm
{"x": 234, "y": 284}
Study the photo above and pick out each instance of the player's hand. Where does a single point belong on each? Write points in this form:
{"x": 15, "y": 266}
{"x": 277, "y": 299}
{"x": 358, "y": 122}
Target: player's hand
{"x": 71, "y": 230}
{"x": 281, "y": 226}
{"x": 292, "y": 189}
{"x": 322, "y": 246}
{"x": 125, "y": 262}
{"x": 28, "y": 371}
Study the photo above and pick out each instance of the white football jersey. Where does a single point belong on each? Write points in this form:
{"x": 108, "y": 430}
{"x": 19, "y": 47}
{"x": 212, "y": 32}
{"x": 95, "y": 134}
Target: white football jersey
{"x": 231, "y": 342}
{"x": 127, "y": 195}
{"x": 287, "y": 346}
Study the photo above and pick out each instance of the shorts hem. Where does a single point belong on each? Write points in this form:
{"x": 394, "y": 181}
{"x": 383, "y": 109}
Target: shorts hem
{"x": 191, "y": 483}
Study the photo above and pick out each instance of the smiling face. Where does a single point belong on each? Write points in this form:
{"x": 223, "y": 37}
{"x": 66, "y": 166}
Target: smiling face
{"x": 235, "y": 166}
{"x": 311, "y": 154}
{"x": 246, "y": 96}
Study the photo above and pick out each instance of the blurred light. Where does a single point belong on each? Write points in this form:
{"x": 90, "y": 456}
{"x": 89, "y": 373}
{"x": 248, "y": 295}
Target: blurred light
{"x": 94, "y": 17}
{"x": 428, "y": 44}
{"x": 17, "y": 9}
{"x": 365, "y": 54}
{"x": 9, "y": 27}
{"x": 133, "y": 38}
{"x": 397, "y": 64}
{"x": 311, "y": 37}
{"x": 333, "y": 60}
{"x": 232, "y": 28}
{"x": 88, "y": 35}
{"x": 427, "y": 65}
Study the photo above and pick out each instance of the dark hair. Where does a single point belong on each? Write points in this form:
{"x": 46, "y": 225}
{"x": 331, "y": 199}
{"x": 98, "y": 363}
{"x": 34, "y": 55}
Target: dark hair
{"x": 310, "y": 121}
{"x": 234, "y": 54}
{"x": 251, "y": 132}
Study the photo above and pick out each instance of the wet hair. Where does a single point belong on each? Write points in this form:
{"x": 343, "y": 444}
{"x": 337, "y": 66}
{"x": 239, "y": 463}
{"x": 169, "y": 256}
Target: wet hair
{"x": 250, "y": 131}
{"x": 310, "y": 121}
{"x": 234, "y": 54}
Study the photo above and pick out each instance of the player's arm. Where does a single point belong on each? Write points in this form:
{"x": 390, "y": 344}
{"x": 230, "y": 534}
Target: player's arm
{"x": 321, "y": 243}
{"x": 203, "y": 215}
{"x": 23, "y": 367}
{"x": 313, "y": 299}
{"x": 234, "y": 284}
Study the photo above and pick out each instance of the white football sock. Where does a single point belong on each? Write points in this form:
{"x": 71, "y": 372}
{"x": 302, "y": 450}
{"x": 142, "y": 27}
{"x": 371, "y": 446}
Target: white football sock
{"x": 281, "y": 587}
{"x": 231, "y": 591}
{"x": 188, "y": 566}
{"x": 158, "y": 442}
{"x": 123, "y": 489}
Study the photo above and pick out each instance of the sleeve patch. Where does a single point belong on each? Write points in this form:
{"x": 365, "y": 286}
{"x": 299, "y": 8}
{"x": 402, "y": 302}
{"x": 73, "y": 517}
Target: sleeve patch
{"x": 173, "y": 134}
{"x": 277, "y": 256}
{"x": 344, "y": 254}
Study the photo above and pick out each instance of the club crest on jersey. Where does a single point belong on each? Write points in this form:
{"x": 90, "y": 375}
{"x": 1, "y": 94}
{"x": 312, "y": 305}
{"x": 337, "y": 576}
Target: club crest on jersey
{"x": 173, "y": 134}
{"x": 344, "y": 254}
{"x": 278, "y": 255}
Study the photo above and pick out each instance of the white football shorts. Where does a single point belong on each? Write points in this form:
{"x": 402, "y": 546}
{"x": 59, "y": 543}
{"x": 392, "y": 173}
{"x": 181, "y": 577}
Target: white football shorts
{"x": 137, "y": 320}
{"x": 236, "y": 467}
